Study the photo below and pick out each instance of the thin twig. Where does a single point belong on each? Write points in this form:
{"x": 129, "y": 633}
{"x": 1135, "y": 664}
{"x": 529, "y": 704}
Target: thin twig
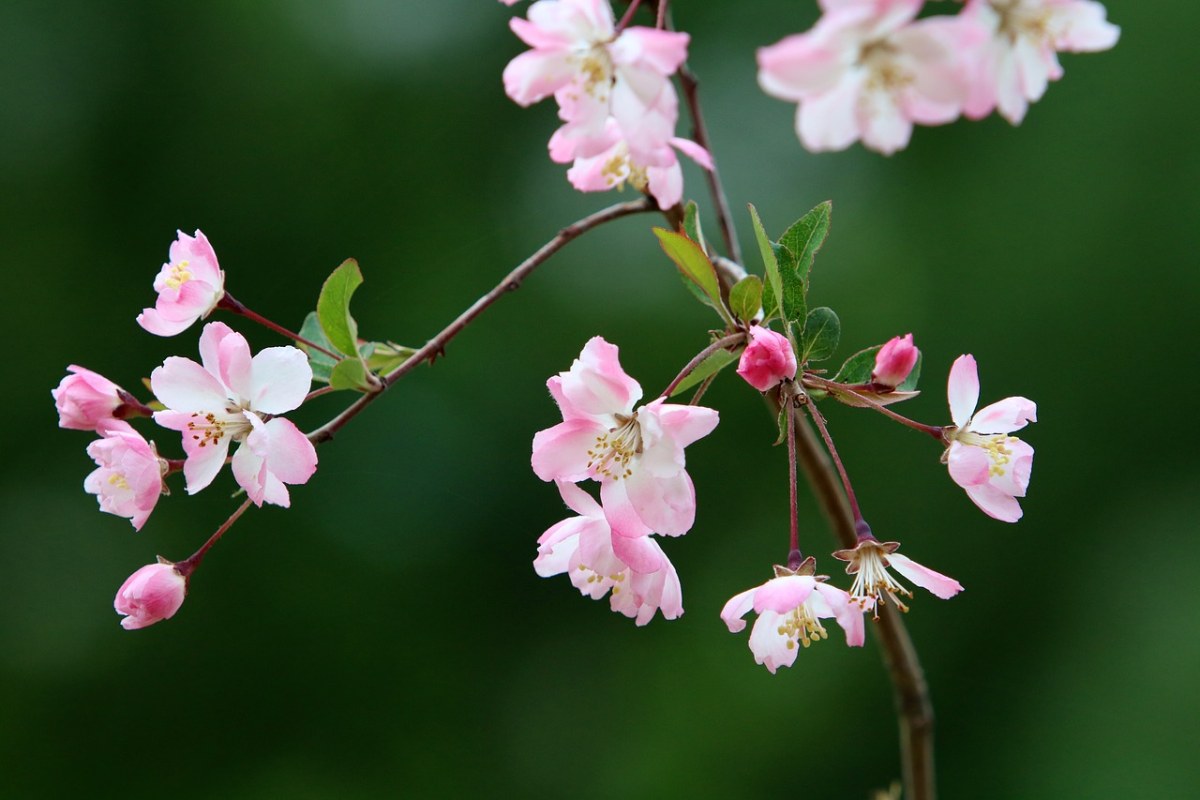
{"x": 511, "y": 282}
{"x": 189, "y": 564}
{"x": 234, "y": 306}
{"x": 816, "y": 381}
{"x": 633, "y": 5}
{"x": 720, "y": 344}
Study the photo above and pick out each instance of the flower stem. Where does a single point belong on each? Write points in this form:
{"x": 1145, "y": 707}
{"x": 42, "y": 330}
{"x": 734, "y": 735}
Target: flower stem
{"x": 627, "y": 16}
{"x": 232, "y": 305}
{"x": 511, "y": 282}
{"x": 816, "y": 381}
{"x": 661, "y": 20}
{"x": 188, "y": 565}
{"x": 793, "y": 512}
{"x": 720, "y": 344}
{"x": 819, "y": 420}
{"x": 318, "y": 393}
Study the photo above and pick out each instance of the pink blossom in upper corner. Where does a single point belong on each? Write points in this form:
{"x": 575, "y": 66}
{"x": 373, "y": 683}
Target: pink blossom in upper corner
{"x": 895, "y": 361}
{"x": 153, "y": 593}
{"x": 992, "y": 466}
{"x": 86, "y": 400}
{"x": 637, "y": 454}
{"x": 790, "y": 608}
{"x": 598, "y": 560}
{"x": 1018, "y": 41}
{"x": 189, "y": 287}
{"x": 869, "y": 562}
{"x": 128, "y": 479}
{"x": 510, "y": 2}
{"x": 767, "y": 360}
{"x": 232, "y": 397}
{"x": 868, "y": 71}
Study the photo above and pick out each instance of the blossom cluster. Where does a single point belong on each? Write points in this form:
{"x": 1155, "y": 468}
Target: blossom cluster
{"x": 229, "y": 397}
{"x": 869, "y": 69}
{"x": 614, "y": 94}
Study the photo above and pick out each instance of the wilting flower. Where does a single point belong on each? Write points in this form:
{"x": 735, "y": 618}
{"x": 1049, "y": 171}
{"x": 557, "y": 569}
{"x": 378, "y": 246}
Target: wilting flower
{"x": 128, "y": 479}
{"x": 636, "y": 454}
{"x": 895, "y": 361}
{"x": 598, "y": 560}
{"x": 867, "y": 71}
{"x": 189, "y": 287}
{"x": 1018, "y": 41}
{"x": 235, "y": 398}
{"x": 86, "y": 400}
{"x": 767, "y": 360}
{"x": 790, "y": 608}
{"x": 153, "y": 593}
{"x": 992, "y": 466}
{"x": 869, "y": 562}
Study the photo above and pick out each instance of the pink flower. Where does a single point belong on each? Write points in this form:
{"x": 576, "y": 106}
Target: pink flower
{"x": 236, "y": 398}
{"x": 1018, "y": 41}
{"x": 128, "y": 479}
{"x": 767, "y": 360}
{"x": 189, "y": 287}
{"x": 894, "y": 361}
{"x": 636, "y": 454}
{"x": 153, "y": 593}
{"x": 597, "y": 559}
{"x": 869, "y": 563}
{"x": 993, "y": 467}
{"x": 790, "y": 608}
{"x": 867, "y": 71}
{"x": 86, "y": 400}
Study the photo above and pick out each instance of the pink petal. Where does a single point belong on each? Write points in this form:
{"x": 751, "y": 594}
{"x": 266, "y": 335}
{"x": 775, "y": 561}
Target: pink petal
{"x": 619, "y": 511}
{"x": 736, "y": 608}
{"x": 289, "y": 455}
{"x": 1004, "y": 416}
{"x": 770, "y": 648}
{"x": 560, "y": 452}
{"x": 661, "y": 51}
{"x": 596, "y": 384}
{"x": 154, "y": 322}
{"x": 963, "y": 389}
{"x": 202, "y": 261}
{"x": 640, "y": 553}
{"x": 535, "y": 74}
{"x": 693, "y": 151}
{"x": 784, "y": 594}
{"x": 995, "y": 503}
{"x": 849, "y": 615}
{"x": 684, "y": 424}
{"x": 280, "y": 379}
{"x": 578, "y": 500}
{"x": 969, "y": 466}
{"x": 249, "y": 470}
{"x": 665, "y": 505}
{"x": 829, "y": 121}
{"x": 665, "y": 185}
{"x": 938, "y": 584}
{"x": 233, "y": 365}
{"x": 183, "y": 385}
{"x": 800, "y": 66}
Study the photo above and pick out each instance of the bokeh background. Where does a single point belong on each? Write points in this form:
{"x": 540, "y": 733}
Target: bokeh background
{"x": 387, "y": 635}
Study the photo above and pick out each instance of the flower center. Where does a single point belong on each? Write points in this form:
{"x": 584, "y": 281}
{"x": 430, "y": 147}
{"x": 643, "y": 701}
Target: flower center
{"x": 994, "y": 445}
{"x": 118, "y": 483}
{"x": 874, "y": 581}
{"x": 800, "y": 624}
{"x": 209, "y": 429}
{"x": 1017, "y": 22}
{"x": 606, "y": 581}
{"x": 180, "y": 274}
{"x": 885, "y": 72}
{"x": 619, "y": 169}
{"x": 613, "y": 453}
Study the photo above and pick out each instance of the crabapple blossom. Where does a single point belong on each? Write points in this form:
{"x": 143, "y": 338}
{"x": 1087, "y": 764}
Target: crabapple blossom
{"x": 992, "y": 466}
{"x": 189, "y": 287}
{"x": 232, "y": 397}
{"x": 790, "y": 608}
{"x": 869, "y": 562}
{"x": 128, "y": 479}
{"x": 153, "y": 593}
{"x": 86, "y": 400}
{"x": 636, "y": 454}
{"x": 767, "y": 360}
{"x": 867, "y": 71}
{"x": 597, "y": 559}
{"x": 894, "y": 361}
{"x": 1015, "y": 57}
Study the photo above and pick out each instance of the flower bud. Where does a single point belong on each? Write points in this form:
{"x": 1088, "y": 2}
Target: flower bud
{"x": 85, "y": 399}
{"x": 153, "y": 593}
{"x": 767, "y": 360}
{"x": 894, "y": 361}
{"x": 128, "y": 478}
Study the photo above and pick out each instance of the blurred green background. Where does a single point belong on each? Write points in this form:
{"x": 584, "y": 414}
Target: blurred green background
{"x": 387, "y": 635}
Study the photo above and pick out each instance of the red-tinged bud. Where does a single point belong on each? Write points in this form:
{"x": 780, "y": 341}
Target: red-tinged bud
{"x": 767, "y": 360}
{"x": 894, "y": 361}
{"x": 153, "y": 593}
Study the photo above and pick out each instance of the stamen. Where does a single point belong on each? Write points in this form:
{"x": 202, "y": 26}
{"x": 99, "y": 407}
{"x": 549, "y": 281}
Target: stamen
{"x": 613, "y": 453}
{"x": 180, "y": 274}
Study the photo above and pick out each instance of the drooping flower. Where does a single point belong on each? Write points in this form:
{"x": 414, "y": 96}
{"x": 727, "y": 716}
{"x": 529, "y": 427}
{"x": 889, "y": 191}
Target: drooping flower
{"x": 869, "y": 562}
{"x": 992, "y": 466}
{"x": 895, "y": 361}
{"x": 1018, "y": 41}
{"x": 86, "y": 400}
{"x": 232, "y": 397}
{"x": 636, "y": 454}
{"x": 153, "y": 593}
{"x": 790, "y": 608}
{"x": 189, "y": 287}
{"x": 867, "y": 71}
{"x": 598, "y": 560}
{"x": 128, "y": 479}
{"x": 767, "y": 360}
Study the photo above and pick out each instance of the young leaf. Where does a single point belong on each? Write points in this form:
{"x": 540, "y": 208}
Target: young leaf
{"x": 333, "y": 307}
{"x": 383, "y": 357}
{"x": 822, "y": 330}
{"x": 321, "y": 363}
{"x": 858, "y": 367}
{"x": 805, "y": 237}
{"x": 745, "y": 298}
{"x": 691, "y": 225}
{"x": 693, "y": 263}
{"x": 774, "y": 283}
{"x": 794, "y": 290}
{"x": 709, "y": 366}
{"x": 351, "y": 373}
{"x": 910, "y": 383}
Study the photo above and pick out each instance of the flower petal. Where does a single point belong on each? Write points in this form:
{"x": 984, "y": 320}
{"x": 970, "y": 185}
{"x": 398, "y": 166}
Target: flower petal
{"x": 280, "y": 378}
{"x": 995, "y": 503}
{"x": 963, "y": 389}
{"x": 181, "y": 384}
{"x": 1004, "y": 416}
{"x": 939, "y": 585}
{"x": 736, "y": 608}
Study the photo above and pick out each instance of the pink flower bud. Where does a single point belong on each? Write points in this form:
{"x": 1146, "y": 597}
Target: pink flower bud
{"x": 153, "y": 593}
{"x": 85, "y": 399}
{"x": 894, "y": 361}
{"x": 767, "y": 360}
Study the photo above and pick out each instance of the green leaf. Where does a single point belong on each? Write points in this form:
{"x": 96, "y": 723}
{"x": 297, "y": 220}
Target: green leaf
{"x": 804, "y": 238}
{"x": 691, "y": 225}
{"x": 794, "y": 304}
{"x": 910, "y": 383}
{"x": 774, "y": 283}
{"x": 694, "y": 265}
{"x": 822, "y": 330}
{"x": 383, "y": 357}
{"x": 858, "y": 367}
{"x": 333, "y": 307}
{"x": 745, "y": 298}
{"x": 351, "y": 373}
{"x": 709, "y": 366}
{"x": 321, "y": 363}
